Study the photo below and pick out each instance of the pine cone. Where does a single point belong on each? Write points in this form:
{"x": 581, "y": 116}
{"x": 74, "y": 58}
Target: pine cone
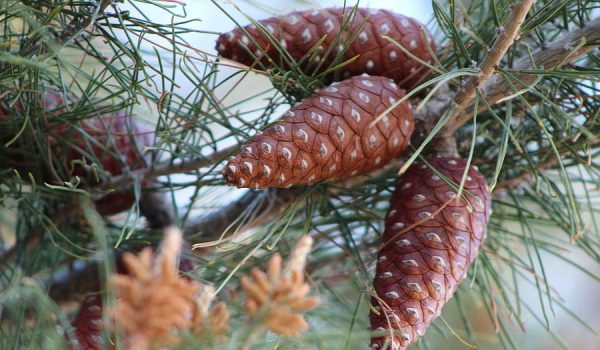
{"x": 327, "y": 135}
{"x": 88, "y": 325}
{"x": 118, "y": 142}
{"x": 115, "y": 139}
{"x": 299, "y": 32}
{"x": 420, "y": 267}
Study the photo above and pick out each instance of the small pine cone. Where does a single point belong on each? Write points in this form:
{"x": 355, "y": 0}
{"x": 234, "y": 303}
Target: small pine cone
{"x": 328, "y": 135}
{"x": 299, "y": 32}
{"x": 118, "y": 143}
{"x": 420, "y": 267}
{"x": 115, "y": 139}
{"x": 87, "y": 325}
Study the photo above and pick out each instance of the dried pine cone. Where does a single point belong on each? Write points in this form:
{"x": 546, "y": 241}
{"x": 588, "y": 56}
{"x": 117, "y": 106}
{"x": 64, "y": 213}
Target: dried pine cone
{"x": 298, "y": 32}
{"x": 328, "y": 135}
{"x": 430, "y": 239}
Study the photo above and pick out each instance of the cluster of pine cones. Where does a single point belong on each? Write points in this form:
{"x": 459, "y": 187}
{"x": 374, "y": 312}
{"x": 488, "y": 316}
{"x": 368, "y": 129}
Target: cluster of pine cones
{"x": 432, "y": 233}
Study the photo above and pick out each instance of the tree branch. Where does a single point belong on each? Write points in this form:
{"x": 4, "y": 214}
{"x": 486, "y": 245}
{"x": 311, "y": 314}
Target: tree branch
{"x": 150, "y": 173}
{"x": 260, "y": 206}
{"x": 558, "y": 53}
{"x": 490, "y": 63}
{"x": 495, "y": 90}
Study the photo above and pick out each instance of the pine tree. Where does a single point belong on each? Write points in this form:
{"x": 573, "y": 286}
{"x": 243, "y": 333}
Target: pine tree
{"x": 92, "y": 118}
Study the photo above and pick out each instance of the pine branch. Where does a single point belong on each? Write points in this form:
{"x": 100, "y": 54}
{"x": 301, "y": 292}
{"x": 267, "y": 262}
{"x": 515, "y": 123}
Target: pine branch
{"x": 558, "y": 53}
{"x": 264, "y": 205}
{"x": 152, "y": 172}
{"x": 489, "y": 65}
{"x": 561, "y": 52}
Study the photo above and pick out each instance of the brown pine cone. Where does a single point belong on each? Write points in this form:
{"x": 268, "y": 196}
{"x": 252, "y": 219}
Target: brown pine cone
{"x": 420, "y": 267}
{"x": 118, "y": 142}
{"x": 114, "y": 139}
{"x": 87, "y": 325}
{"x": 298, "y": 32}
{"x": 328, "y": 135}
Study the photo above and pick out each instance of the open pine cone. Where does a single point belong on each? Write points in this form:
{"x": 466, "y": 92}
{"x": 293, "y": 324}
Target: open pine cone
{"x": 299, "y": 32}
{"x": 328, "y": 135}
{"x": 429, "y": 241}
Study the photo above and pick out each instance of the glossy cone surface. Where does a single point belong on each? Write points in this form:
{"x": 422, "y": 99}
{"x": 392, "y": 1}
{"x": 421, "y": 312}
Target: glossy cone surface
{"x": 300, "y": 31}
{"x": 328, "y": 135}
{"x": 419, "y": 268}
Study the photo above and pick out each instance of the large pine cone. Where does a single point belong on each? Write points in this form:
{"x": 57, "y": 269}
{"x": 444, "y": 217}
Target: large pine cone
{"x": 328, "y": 135}
{"x": 298, "y": 32}
{"x": 420, "y": 267}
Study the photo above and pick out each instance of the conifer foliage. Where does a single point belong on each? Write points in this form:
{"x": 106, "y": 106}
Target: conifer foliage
{"x": 361, "y": 215}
